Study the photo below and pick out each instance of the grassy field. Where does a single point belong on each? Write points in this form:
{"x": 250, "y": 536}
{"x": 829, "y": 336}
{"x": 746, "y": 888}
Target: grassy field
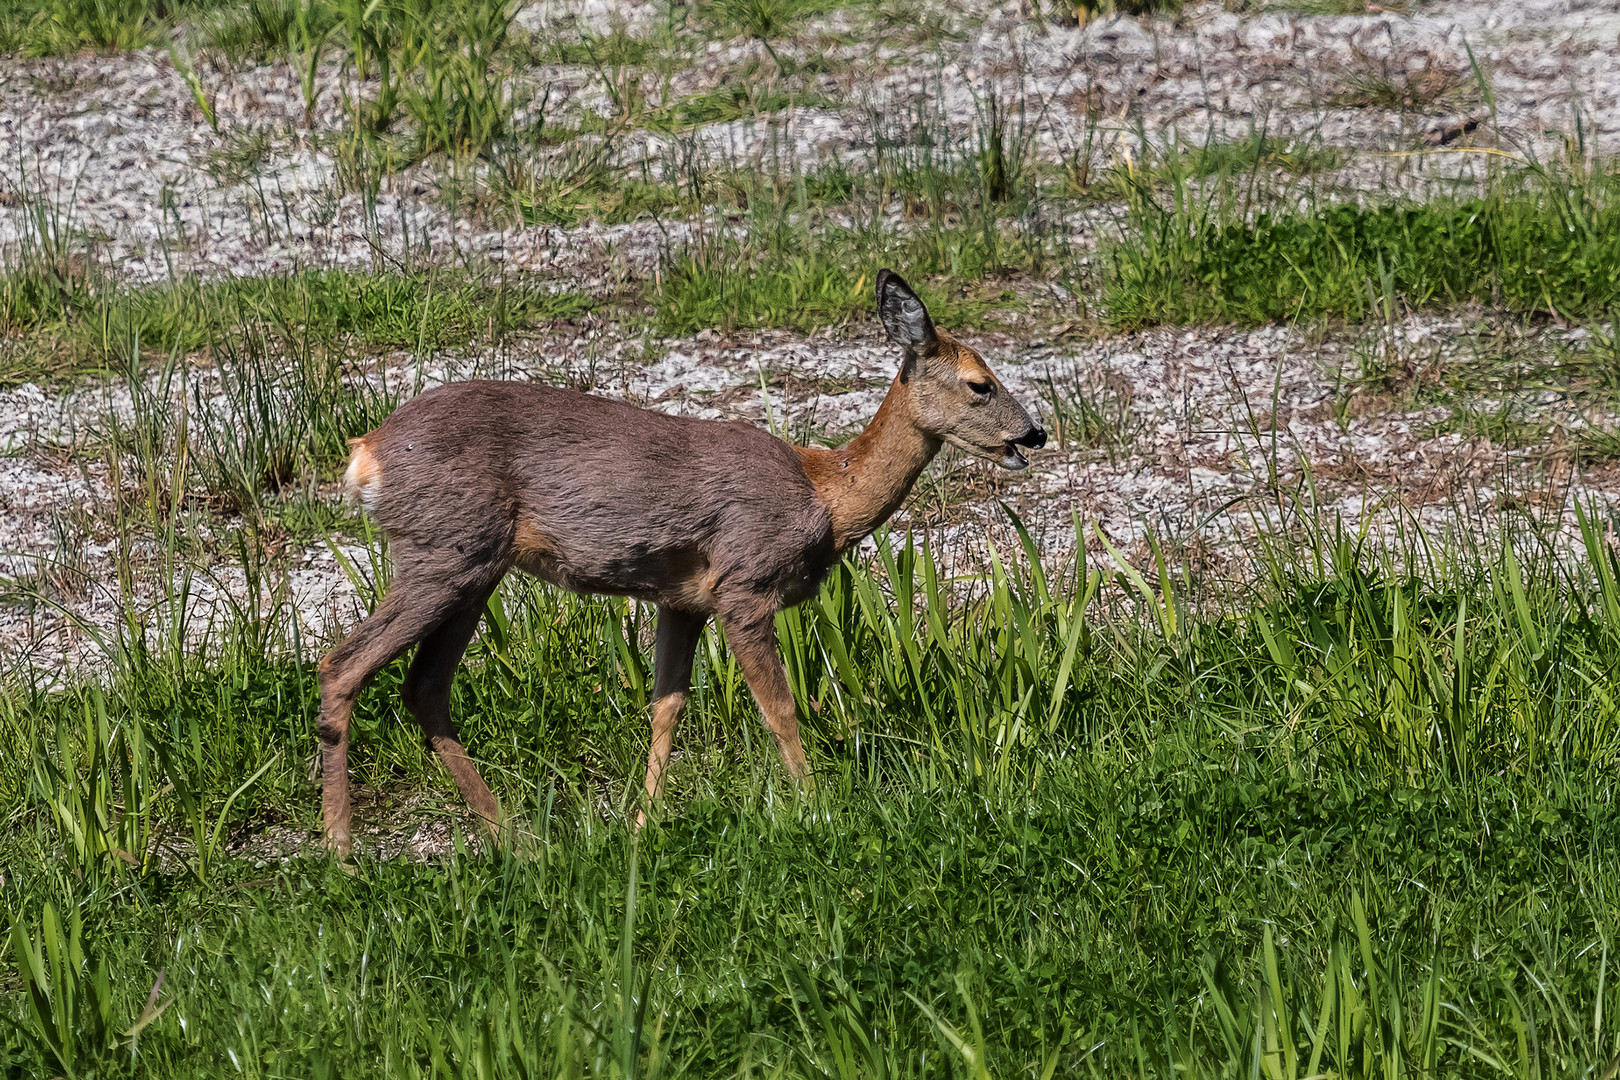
{"x": 1359, "y": 826}
{"x": 1348, "y": 813}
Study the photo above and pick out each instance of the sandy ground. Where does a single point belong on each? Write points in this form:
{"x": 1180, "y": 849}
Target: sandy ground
{"x": 115, "y": 148}
{"x": 1214, "y": 433}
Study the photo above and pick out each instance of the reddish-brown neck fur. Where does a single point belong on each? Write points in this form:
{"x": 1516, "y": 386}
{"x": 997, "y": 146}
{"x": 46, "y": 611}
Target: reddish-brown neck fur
{"x": 864, "y": 481}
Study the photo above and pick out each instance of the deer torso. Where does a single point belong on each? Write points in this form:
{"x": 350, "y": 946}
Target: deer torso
{"x": 597, "y": 496}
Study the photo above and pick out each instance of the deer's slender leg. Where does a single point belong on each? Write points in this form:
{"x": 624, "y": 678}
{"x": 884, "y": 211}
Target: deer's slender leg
{"x": 678, "y": 633}
{"x": 751, "y": 632}
{"x": 406, "y": 615}
{"x": 426, "y": 694}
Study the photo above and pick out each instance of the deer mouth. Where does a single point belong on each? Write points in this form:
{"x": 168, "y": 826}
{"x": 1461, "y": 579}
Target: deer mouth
{"x": 1013, "y": 450}
{"x": 1009, "y": 453}
{"x": 1013, "y": 458}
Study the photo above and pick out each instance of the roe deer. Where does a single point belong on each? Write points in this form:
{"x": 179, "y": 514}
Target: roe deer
{"x": 698, "y": 517}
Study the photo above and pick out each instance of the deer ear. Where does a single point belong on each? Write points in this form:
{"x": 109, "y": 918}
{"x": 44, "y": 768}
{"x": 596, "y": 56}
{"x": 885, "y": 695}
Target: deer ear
{"x": 904, "y": 317}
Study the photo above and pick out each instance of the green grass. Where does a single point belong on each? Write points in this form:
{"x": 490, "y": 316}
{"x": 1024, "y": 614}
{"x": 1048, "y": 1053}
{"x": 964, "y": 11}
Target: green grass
{"x": 740, "y": 100}
{"x": 264, "y": 30}
{"x": 806, "y": 279}
{"x": 243, "y": 155}
{"x": 763, "y": 20}
{"x": 77, "y": 318}
{"x": 1300, "y": 156}
{"x": 578, "y": 183}
{"x": 1403, "y": 91}
{"x": 1077, "y": 416}
{"x": 617, "y": 48}
{"x": 36, "y": 28}
{"x": 259, "y": 383}
{"x": 949, "y": 186}
{"x": 442, "y": 67}
{"x": 1357, "y": 824}
{"x": 793, "y": 264}
{"x": 1502, "y": 426}
{"x": 1354, "y": 819}
{"x": 1544, "y": 245}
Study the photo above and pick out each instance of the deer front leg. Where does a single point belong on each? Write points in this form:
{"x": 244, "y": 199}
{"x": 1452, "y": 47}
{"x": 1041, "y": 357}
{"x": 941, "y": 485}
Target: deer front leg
{"x": 752, "y": 634}
{"x": 678, "y": 633}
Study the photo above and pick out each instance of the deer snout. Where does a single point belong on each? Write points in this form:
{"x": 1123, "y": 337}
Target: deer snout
{"x": 1034, "y": 438}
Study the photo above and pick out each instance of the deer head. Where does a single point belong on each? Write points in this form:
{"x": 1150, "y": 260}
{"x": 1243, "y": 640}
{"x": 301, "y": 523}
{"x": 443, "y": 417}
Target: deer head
{"x": 954, "y": 396}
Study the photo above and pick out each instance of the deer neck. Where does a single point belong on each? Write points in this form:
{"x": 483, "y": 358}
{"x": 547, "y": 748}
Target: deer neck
{"x": 864, "y": 481}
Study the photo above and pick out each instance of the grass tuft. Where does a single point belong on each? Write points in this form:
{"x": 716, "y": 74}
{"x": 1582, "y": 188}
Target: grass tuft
{"x": 1299, "y": 156}
{"x": 790, "y": 276}
{"x": 1543, "y": 245}
{"x": 1376, "y": 86}
{"x": 76, "y": 316}
{"x": 264, "y": 30}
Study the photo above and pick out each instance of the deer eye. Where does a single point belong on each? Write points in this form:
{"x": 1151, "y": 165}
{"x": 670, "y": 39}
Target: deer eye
{"x": 980, "y": 388}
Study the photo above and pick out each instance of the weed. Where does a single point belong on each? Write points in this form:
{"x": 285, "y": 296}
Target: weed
{"x": 829, "y": 184}
{"x": 574, "y": 184}
{"x": 37, "y": 28}
{"x": 974, "y": 179}
{"x": 762, "y": 20}
{"x": 1501, "y": 426}
{"x": 259, "y": 430}
{"x": 104, "y": 25}
{"x": 617, "y": 48}
{"x": 1350, "y": 7}
{"x": 1080, "y": 158}
{"x": 199, "y": 93}
{"x": 70, "y": 1026}
{"x": 242, "y": 154}
{"x": 51, "y": 277}
{"x": 264, "y": 30}
{"x": 1597, "y": 445}
{"x": 458, "y": 97}
{"x": 743, "y": 98}
{"x": 1325, "y": 7}
{"x": 912, "y": 22}
{"x": 1006, "y": 139}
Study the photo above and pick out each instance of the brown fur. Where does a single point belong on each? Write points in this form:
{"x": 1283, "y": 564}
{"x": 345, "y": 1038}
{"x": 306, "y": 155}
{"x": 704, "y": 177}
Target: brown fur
{"x": 699, "y": 517}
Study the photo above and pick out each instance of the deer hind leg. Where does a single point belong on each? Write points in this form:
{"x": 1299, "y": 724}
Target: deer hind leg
{"x": 406, "y": 615}
{"x": 427, "y": 695}
{"x": 752, "y": 634}
{"x": 678, "y": 633}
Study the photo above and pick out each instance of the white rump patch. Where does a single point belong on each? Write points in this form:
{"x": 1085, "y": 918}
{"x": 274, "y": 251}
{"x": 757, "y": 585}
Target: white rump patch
{"x": 361, "y": 480}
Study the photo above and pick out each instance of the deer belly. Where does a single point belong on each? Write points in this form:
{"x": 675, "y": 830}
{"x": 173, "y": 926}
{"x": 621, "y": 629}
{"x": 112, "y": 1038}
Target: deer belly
{"x": 680, "y": 577}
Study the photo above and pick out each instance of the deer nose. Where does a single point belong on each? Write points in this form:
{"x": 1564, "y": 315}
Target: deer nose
{"x": 1034, "y": 438}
